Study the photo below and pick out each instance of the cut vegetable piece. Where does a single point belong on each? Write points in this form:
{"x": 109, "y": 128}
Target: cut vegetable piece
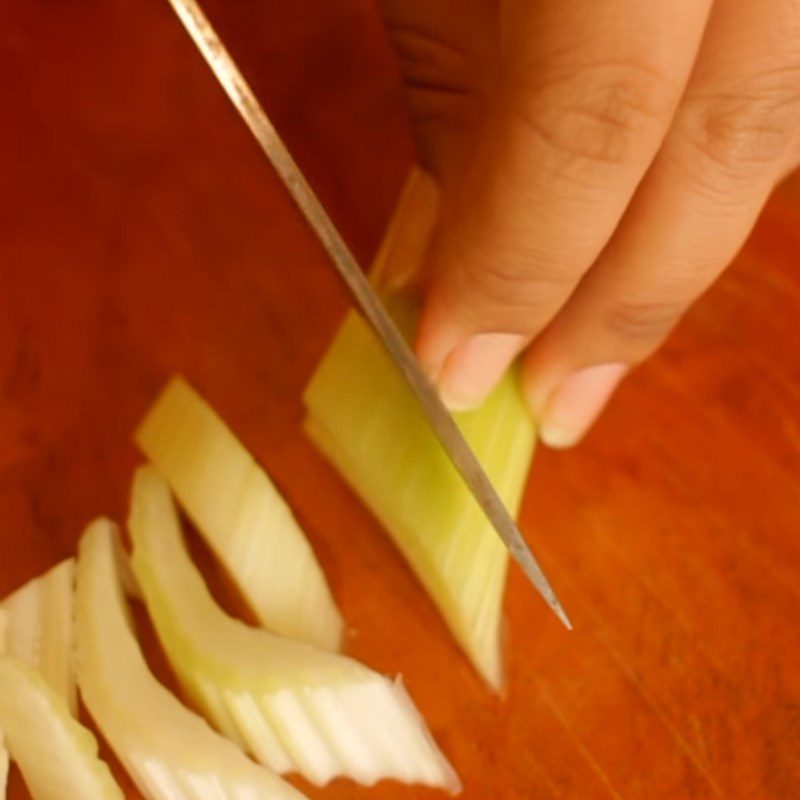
{"x": 56, "y": 754}
{"x": 367, "y": 423}
{"x": 241, "y": 515}
{"x": 40, "y": 628}
{"x": 294, "y": 707}
{"x": 159, "y": 741}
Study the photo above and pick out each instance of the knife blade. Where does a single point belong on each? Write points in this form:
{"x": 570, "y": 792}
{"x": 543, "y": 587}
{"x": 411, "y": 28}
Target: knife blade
{"x": 444, "y": 426}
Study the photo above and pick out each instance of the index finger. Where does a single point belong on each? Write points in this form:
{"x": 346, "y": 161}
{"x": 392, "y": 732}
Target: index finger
{"x": 586, "y": 97}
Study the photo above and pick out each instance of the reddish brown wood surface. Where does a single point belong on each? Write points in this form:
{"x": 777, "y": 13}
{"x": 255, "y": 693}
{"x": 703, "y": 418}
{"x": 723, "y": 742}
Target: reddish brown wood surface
{"x": 141, "y": 232}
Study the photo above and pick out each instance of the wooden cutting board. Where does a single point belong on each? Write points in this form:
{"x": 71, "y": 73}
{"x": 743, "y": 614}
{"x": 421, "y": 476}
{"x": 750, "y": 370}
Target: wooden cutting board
{"x": 141, "y": 233}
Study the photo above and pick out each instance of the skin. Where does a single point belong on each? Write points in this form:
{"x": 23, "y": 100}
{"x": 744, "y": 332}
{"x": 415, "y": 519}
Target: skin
{"x": 599, "y": 164}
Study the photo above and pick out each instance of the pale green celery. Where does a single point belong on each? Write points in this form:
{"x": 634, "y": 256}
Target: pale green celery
{"x": 55, "y": 753}
{"x": 241, "y": 515}
{"x": 367, "y": 423}
{"x": 293, "y": 706}
{"x": 40, "y": 628}
{"x": 169, "y": 751}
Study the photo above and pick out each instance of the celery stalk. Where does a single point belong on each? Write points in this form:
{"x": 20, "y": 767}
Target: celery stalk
{"x": 293, "y": 706}
{"x": 169, "y": 751}
{"x": 40, "y": 628}
{"x": 241, "y": 515}
{"x": 56, "y": 754}
{"x": 364, "y": 419}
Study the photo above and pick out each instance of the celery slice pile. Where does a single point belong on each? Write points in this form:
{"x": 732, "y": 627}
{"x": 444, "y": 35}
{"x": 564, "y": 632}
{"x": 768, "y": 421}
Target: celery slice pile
{"x": 295, "y": 707}
{"x": 56, "y": 754}
{"x": 169, "y": 751}
{"x": 367, "y": 423}
{"x": 40, "y": 628}
{"x": 242, "y": 516}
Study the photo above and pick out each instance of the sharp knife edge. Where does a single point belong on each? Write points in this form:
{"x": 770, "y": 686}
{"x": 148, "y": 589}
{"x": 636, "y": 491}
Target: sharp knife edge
{"x": 440, "y": 420}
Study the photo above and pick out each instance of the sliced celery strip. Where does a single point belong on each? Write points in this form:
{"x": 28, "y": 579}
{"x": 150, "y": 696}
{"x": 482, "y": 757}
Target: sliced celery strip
{"x": 169, "y": 751}
{"x": 40, "y": 628}
{"x": 242, "y": 516}
{"x": 366, "y": 422}
{"x": 293, "y": 706}
{"x": 56, "y": 754}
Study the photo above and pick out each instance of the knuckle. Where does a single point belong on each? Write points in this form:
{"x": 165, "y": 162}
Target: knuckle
{"x": 508, "y": 293}
{"x": 643, "y": 323}
{"x": 603, "y": 112}
{"x": 431, "y": 63}
{"x": 442, "y": 87}
{"x": 747, "y": 130}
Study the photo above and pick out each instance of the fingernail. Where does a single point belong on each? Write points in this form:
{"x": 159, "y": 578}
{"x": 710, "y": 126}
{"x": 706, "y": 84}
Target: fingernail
{"x": 473, "y": 368}
{"x": 577, "y": 402}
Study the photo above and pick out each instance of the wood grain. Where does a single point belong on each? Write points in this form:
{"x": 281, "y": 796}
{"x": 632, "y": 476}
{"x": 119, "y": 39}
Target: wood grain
{"x": 141, "y": 232}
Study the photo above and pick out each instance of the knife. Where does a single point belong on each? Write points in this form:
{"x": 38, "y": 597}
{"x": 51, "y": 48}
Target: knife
{"x": 367, "y": 300}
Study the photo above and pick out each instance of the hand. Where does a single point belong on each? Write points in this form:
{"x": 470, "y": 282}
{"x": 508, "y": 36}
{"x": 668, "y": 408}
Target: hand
{"x": 600, "y": 162}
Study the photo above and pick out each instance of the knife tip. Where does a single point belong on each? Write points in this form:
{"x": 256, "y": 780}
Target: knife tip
{"x": 535, "y": 575}
{"x": 562, "y": 615}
